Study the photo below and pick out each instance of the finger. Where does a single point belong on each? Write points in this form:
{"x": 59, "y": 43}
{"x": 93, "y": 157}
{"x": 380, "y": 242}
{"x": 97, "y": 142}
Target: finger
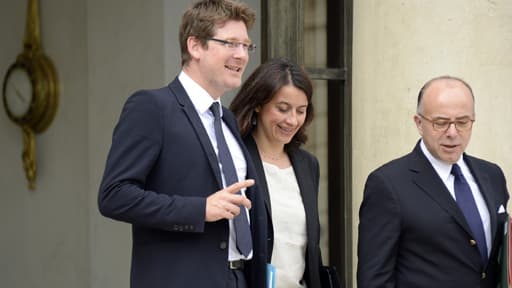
{"x": 234, "y": 210}
{"x": 217, "y": 212}
{"x": 242, "y": 200}
{"x": 226, "y": 214}
{"x": 239, "y": 200}
{"x": 235, "y": 187}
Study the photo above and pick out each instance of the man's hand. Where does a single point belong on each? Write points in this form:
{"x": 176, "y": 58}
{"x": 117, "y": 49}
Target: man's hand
{"x": 225, "y": 204}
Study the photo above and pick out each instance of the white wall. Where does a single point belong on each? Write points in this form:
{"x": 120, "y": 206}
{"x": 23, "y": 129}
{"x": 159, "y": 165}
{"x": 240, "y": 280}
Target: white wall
{"x": 44, "y": 232}
{"x": 126, "y": 48}
{"x": 399, "y": 45}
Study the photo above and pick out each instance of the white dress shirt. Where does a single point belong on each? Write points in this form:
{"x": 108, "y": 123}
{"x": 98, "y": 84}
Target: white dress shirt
{"x": 202, "y": 102}
{"x": 443, "y": 169}
{"x": 289, "y": 223}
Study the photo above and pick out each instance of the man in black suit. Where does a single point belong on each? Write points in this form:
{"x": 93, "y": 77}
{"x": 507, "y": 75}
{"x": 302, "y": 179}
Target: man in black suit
{"x": 417, "y": 226}
{"x": 163, "y": 174}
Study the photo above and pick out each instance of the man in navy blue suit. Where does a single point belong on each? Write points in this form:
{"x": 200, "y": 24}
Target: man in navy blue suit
{"x": 163, "y": 174}
{"x": 422, "y": 223}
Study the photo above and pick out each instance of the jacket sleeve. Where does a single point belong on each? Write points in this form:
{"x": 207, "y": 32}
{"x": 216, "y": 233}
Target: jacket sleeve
{"x": 379, "y": 233}
{"x": 136, "y": 145}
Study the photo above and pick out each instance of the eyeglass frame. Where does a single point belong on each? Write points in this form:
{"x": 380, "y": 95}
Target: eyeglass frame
{"x": 234, "y": 45}
{"x": 449, "y": 123}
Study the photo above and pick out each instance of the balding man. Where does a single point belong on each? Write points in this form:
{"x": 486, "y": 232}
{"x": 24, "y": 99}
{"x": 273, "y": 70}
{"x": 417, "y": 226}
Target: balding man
{"x": 434, "y": 217}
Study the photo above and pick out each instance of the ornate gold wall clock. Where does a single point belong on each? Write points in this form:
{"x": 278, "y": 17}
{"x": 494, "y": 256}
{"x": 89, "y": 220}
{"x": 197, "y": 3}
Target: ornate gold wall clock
{"x": 30, "y": 91}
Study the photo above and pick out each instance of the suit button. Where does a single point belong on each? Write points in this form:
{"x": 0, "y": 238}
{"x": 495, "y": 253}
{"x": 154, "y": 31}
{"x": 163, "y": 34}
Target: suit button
{"x": 223, "y": 245}
{"x": 484, "y": 275}
{"x": 472, "y": 242}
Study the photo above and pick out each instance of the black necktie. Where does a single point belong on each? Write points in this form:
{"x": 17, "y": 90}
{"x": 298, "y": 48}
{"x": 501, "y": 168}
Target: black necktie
{"x": 467, "y": 204}
{"x": 243, "y": 233}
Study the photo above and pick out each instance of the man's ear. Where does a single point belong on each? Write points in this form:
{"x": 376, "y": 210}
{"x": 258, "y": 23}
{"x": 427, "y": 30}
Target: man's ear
{"x": 417, "y": 121}
{"x": 194, "y": 47}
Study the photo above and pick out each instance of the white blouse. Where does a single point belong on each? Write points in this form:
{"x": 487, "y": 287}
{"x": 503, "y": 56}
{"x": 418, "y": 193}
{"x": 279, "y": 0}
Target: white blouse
{"x": 289, "y": 220}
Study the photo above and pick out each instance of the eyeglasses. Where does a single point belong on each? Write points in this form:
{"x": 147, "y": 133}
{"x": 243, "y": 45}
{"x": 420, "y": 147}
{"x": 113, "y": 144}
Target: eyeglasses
{"x": 442, "y": 124}
{"x": 234, "y": 45}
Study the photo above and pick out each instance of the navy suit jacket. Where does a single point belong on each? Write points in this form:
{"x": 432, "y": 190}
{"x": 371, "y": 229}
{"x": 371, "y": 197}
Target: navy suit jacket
{"x": 160, "y": 169}
{"x": 413, "y": 234}
{"x": 307, "y": 172}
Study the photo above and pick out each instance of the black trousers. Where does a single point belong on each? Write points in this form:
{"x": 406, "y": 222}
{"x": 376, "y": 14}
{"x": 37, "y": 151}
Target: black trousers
{"x": 236, "y": 279}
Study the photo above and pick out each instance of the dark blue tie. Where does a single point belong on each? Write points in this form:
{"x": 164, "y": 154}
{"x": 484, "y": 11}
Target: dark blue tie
{"x": 467, "y": 204}
{"x": 243, "y": 232}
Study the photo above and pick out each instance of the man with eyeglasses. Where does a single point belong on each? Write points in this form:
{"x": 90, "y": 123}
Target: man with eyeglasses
{"x": 178, "y": 171}
{"x": 434, "y": 218}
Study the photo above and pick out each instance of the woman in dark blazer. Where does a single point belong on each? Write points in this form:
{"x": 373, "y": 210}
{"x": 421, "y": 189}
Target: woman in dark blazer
{"x": 273, "y": 109}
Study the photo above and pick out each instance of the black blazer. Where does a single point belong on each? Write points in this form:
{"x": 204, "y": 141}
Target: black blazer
{"x": 160, "y": 170}
{"x": 307, "y": 172}
{"x": 413, "y": 234}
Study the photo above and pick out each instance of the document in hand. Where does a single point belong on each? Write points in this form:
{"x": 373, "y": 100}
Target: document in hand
{"x": 505, "y": 259}
{"x": 271, "y": 276}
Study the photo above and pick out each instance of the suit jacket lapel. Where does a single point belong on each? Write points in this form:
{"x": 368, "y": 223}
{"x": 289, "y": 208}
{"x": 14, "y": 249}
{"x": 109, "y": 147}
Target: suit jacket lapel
{"x": 302, "y": 173}
{"x": 428, "y": 181}
{"x": 260, "y": 172}
{"x": 189, "y": 110}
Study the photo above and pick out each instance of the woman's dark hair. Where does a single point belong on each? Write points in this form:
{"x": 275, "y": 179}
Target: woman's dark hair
{"x": 262, "y": 85}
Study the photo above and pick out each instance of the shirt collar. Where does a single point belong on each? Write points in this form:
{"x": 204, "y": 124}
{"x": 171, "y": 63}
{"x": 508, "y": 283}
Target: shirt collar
{"x": 442, "y": 168}
{"x": 197, "y": 94}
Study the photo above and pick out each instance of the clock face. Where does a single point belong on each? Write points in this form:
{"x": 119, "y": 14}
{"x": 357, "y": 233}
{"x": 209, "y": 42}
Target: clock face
{"x": 18, "y": 92}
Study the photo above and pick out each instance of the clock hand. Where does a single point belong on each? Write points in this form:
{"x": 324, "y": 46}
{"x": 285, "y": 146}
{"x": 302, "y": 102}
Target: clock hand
{"x": 18, "y": 93}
